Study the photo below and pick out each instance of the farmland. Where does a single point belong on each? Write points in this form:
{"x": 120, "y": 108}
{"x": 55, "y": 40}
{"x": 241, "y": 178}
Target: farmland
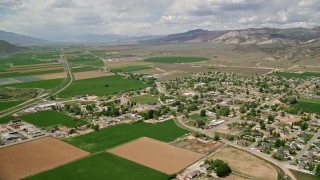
{"x": 144, "y": 99}
{"x": 35, "y": 156}
{"x": 97, "y": 86}
{"x": 52, "y": 118}
{"x": 309, "y": 106}
{"x": 9, "y": 104}
{"x": 132, "y": 68}
{"x": 101, "y": 166}
{"x": 297, "y": 75}
{"x": 45, "y": 84}
{"x": 177, "y": 59}
{"x": 114, "y": 136}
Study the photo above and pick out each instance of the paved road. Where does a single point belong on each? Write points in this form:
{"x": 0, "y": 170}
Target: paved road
{"x": 161, "y": 89}
{"x": 283, "y": 166}
{"x": 38, "y": 99}
{"x": 306, "y": 147}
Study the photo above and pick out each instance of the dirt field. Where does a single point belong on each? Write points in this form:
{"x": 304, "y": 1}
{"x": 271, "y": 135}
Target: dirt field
{"x": 157, "y": 155}
{"x": 225, "y": 130}
{"x": 246, "y": 165}
{"x": 28, "y": 158}
{"x": 89, "y": 74}
{"x": 197, "y": 146}
{"x": 52, "y": 76}
{"x": 39, "y": 70}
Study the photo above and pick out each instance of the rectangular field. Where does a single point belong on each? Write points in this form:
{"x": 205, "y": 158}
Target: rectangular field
{"x": 309, "y": 106}
{"x": 52, "y": 76}
{"x": 113, "y": 136}
{"x": 97, "y": 86}
{"x": 32, "y": 157}
{"x": 47, "y": 119}
{"x": 9, "y": 104}
{"x": 144, "y": 99}
{"x": 45, "y": 84}
{"x": 156, "y": 155}
{"x": 89, "y": 75}
{"x": 101, "y": 166}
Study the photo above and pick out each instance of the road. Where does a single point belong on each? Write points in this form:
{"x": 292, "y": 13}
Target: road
{"x": 161, "y": 89}
{"x": 180, "y": 122}
{"x": 306, "y": 147}
{"x": 38, "y": 99}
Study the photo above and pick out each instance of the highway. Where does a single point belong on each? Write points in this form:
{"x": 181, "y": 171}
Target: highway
{"x": 39, "y": 98}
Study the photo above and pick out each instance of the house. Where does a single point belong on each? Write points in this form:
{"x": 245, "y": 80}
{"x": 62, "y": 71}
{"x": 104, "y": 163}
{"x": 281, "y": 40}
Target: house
{"x": 205, "y": 167}
{"x": 26, "y": 127}
{"x": 302, "y": 165}
{"x": 193, "y": 174}
{"x": 294, "y": 146}
{"x": 10, "y": 136}
{"x": 273, "y": 140}
{"x": 281, "y": 154}
{"x": 152, "y": 103}
{"x": 303, "y": 134}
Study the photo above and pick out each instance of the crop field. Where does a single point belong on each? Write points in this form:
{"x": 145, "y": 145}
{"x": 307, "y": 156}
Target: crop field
{"x": 110, "y": 137}
{"x": 309, "y": 106}
{"x": 51, "y": 76}
{"x": 156, "y": 155}
{"x": 97, "y": 86}
{"x": 6, "y": 119}
{"x": 242, "y": 164}
{"x": 144, "y": 99}
{"x": 89, "y": 75}
{"x": 9, "y": 104}
{"x": 132, "y": 68}
{"x": 83, "y": 69}
{"x": 9, "y": 94}
{"x": 47, "y": 119}
{"x": 297, "y": 75}
{"x": 45, "y": 84}
{"x": 101, "y": 166}
{"x": 304, "y": 176}
{"x": 32, "y": 157}
{"x": 11, "y": 74}
{"x": 85, "y": 59}
{"x": 21, "y": 59}
{"x": 177, "y": 59}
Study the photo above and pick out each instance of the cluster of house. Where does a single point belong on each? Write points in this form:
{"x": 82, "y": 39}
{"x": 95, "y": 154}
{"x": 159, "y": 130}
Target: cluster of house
{"x": 213, "y": 123}
{"x": 44, "y": 106}
{"x": 17, "y": 130}
{"x": 311, "y": 158}
{"x": 201, "y": 170}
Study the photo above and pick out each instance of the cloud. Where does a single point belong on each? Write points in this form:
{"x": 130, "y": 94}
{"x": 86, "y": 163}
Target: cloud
{"x": 52, "y": 18}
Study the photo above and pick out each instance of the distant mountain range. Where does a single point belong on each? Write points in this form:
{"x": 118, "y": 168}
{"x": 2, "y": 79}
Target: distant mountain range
{"x": 7, "y": 48}
{"x": 256, "y": 36}
{"x": 19, "y": 39}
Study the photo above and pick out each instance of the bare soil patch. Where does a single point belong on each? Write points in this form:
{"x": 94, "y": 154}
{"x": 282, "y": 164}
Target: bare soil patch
{"x": 32, "y": 157}
{"x": 246, "y": 165}
{"x": 35, "y": 65}
{"x": 51, "y": 76}
{"x": 89, "y": 74}
{"x": 197, "y": 145}
{"x": 157, "y": 155}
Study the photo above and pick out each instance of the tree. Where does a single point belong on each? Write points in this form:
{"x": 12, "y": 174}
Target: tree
{"x": 216, "y": 137}
{"x": 292, "y": 100}
{"x": 72, "y": 131}
{"x": 96, "y": 127}
{"x": 200, "y": 123}
{"x": 223, "y": 170}
{"x": 262, "y": 125}
{"x": 202, "y": 113}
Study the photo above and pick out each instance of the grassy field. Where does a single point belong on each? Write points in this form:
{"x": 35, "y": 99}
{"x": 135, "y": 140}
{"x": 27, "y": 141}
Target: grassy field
{"x": 101, "y": 166}
{"x": 132, "y": 68}
{"x": 110, "y": 137}
{"x": 309, "y": 106}
{"x": 45, "y": 84}
{"x": 304, "y": 176}
{"x": 176, "y": 59}
{"x": 83, "y": 69}
{"x": 9, "y": 104}
{"x": 86, "y": 59}
{"x": 6, "y": 119}
{"x": 297, "y": 75}
{"x": 21, "y": 59}
{"x": 19, "y": 74}
{"x": 47, "y": 119}
{"x": 96, "y": 86}
{"x": 144, "y": 99}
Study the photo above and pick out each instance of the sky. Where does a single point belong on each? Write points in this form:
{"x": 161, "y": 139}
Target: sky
{"x": 60, "y": 18}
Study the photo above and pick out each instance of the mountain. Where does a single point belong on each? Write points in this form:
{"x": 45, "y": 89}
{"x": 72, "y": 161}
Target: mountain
{"x": 19, "y": 39}
{"x": 197, "y": 35}
{"x": 257, "y": 36}
{"x": 7, "y": 48}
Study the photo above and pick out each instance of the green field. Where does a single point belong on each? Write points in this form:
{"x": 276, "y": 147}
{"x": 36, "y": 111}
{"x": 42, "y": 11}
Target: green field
{"x": 87, "y": 60}
{"x": 309, "y": 105}
{"x": 21, "y": 59}
{"x": 47, "y": 119}
{"x": 304, "y": 176}
{"x": 296, "y": 75}
{"x": 9, "y": 104}
{"x": 83, "y": 69}
{"x": 7, "y": 119}
{"x": 144, "y": 99}
{"x": 176, "y": 59}
{"x": 96, "y": 86}
{"x": 113, "y": 136}
{"x": 101, "y": 166}
{"x": 132, "y": 68}
{"x": 45, "y": 84}
{"x": 19, "y": 74}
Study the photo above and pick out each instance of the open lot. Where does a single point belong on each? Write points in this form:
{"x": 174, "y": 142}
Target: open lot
{"x": 101, "y": 166}
{"x": 156, "y": 155}
{"x": 197, "y": 146}
{"x": 113, "y": 136}
{"x": 177, "y": 59}
{"x": 28, "y": 158}
{"x": 89, "y": 74}
{"x": 246, "y": 165}
{"x": 47, "y": 119}
{"x": 97, "y": 86}
{"x": 144, "y": 99}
